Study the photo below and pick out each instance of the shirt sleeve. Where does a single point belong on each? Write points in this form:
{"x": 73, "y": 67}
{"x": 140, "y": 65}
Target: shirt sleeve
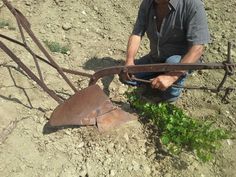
{"x": 197, "y": 27}
{"x": 140, "y": 25}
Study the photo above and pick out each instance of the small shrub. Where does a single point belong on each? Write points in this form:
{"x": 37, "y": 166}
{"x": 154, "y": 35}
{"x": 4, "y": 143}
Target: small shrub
{"x": 178, "y": 131}
{"x": 4, "y": 23}
{"x": 56, "y": 47}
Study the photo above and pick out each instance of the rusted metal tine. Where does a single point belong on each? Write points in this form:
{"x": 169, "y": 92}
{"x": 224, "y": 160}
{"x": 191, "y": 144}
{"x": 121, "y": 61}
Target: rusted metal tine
{"x": 26, "y": 27}
{"x": 28, "y": 49}
{"x": 46, "y": 61}
{"x": 227, "y": 65}
{"x": 184, "y": 87}
{"x": 30, "y": 73}
{"x": 229, "y": 53}
{"x": 227, "y": 93}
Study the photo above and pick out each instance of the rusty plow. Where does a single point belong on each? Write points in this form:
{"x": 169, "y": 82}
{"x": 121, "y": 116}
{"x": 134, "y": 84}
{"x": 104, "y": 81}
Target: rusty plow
{"x": 91, "y": 106}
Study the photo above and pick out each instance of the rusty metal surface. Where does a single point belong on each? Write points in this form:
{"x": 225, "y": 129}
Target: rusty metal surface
{"x": 24, "y": 24}
{"x": 85, "y": 106}
{"x": 227, "y": 65}
{"x": 30, "y": 73}
{"x": 162, "y": 67}
{"x": 82, "y": 108}
{"x": 113, "y": 119}
{"x": 70, "y": 71}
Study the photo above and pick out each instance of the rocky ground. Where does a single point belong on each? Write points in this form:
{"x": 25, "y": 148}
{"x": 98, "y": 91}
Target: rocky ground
{"x": 96, "y": 33}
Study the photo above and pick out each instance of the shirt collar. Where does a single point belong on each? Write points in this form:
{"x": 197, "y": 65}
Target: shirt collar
{"x": 173, "y": 3}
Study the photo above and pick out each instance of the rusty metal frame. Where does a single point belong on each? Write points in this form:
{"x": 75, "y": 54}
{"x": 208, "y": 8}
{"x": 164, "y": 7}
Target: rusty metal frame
{"x": 162, "y": 67}
{"x": 24, "y": 25}
{"x": 69, "y": 71}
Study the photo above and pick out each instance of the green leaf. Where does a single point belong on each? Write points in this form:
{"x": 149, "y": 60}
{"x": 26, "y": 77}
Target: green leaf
{"x": 165, "y": 140}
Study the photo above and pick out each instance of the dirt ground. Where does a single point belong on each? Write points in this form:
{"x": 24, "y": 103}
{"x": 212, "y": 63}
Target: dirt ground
{"x": 97, "y": 34}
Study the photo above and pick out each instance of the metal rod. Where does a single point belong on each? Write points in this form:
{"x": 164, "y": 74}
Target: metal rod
{"x": 29, "y": 72}
{"x": 229, "y": 53}
{"x": 160, "y": 67}
{"x": 29, "y": 50}
{"x": 133, "y": 78}
{"x": 226, "y": 67}
{"x": 25, "y": 25}
{"x": 45, "y": 61}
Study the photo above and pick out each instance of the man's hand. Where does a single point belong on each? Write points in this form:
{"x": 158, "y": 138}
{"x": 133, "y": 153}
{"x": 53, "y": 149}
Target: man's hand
{"x": 125, "y": 76}
{"x": 164, "y": 81}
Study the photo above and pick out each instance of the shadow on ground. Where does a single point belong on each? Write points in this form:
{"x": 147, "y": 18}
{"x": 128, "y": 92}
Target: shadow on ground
{"x": 48, "y": 129}
{"x": 29, "y": 105}
{"x": 96, "y": 64}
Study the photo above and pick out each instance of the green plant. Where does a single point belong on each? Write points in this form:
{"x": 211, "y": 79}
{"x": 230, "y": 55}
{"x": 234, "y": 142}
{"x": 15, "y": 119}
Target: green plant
{"x": 178, "y": 131}
{"x": 56, "y": 47}
{"x": 4, "y": 23}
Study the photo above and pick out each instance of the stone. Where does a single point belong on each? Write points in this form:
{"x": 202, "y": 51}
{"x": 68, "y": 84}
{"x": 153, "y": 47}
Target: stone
{"x": 95, "y": 8}
{"x": 66, "y": 26}
{"x": 83, "y": 172}
{"x": 146, "y": 169}
{"x": 150, "y": 152}
{"x": 168, "y": 175}
{"x": 28, "y": 3}
{"x": 130, "y": 168}
{"x": 136, "y": 166}
{"x": 229, "y": 142}
{"x": 110, "y": 148}
{"x": 107, "y": 161}
{"x": 81, "y": 145}
{"x": 67, "y": 132}
{"x": 112, "y": 172}
{"x": 126, "y": 136}
{"x": 1, "y": 4}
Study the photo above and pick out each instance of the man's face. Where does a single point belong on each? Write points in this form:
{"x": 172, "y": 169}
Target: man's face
{"x": 161, "y": 1}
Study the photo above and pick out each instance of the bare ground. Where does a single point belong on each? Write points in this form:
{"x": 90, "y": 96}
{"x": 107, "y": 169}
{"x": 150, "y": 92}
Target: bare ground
{"x": 97, "y": 33}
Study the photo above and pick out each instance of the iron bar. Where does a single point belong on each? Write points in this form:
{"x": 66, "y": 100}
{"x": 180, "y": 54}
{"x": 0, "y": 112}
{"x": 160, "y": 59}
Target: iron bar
{"x": 226, "y": 67}
{"x": 29, "y": 50}
{"x": 29, "y": 72}
{"x": 26, "y": 27}
{"x": 162, "y": 67}
{"x": 133, "y": 78}
{"x": 23, "y": 23}
{"x": 45, "y": 61}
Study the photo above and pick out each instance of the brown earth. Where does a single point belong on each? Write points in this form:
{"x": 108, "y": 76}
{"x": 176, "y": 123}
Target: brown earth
{"x": 97, "y": 33}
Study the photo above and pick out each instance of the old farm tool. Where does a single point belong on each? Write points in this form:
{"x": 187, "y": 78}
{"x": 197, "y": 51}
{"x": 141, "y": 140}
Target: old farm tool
{"x": 91, "y": 106}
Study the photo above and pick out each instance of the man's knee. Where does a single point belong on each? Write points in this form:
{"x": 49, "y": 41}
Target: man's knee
{"x": 147, "y": 59}
{"x": 174, "y": 59}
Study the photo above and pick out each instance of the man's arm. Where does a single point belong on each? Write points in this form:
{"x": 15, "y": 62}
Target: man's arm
{"x": 164, "y": 81}
{"x": 135, "y": 38}
{"x": 193, "y": 55}
{"x": 137, "y": 33}
{"x": 132, "y": 49}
